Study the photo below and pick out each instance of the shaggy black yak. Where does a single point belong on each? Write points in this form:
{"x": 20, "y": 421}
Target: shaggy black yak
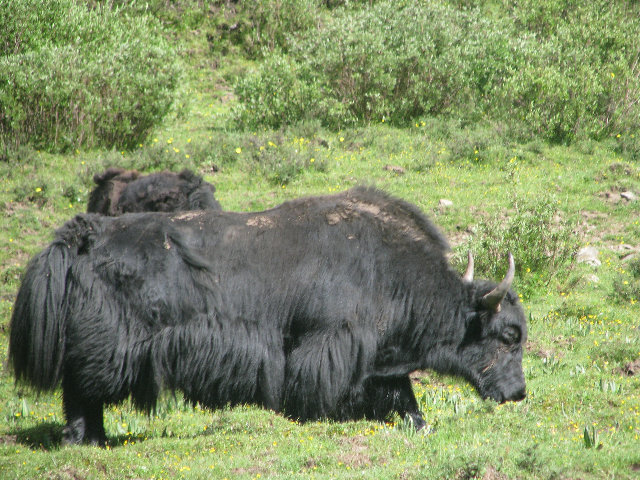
{"x": 121, "y": 191}
{"x": 319, "y": 308}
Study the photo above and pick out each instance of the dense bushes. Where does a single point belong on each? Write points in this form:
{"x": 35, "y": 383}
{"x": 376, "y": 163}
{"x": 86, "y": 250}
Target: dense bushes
{"x": 90, "y": 74}
{"x": 392, "y": 61}
{"x": 579, "y": 72}
{"x": 70, "y": 76}
{"x": 555, "y": 70}
{"x": 542, "y": 242}
{"x": 276, "y": 94}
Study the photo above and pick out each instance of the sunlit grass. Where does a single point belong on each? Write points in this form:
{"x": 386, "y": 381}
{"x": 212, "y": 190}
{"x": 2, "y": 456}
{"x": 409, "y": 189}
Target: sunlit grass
{"x": 580, "y": 336}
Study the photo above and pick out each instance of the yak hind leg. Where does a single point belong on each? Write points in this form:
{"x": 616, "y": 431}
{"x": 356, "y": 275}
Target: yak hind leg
{"x": 85, "y": 422}
{"x": 384, "y": 395}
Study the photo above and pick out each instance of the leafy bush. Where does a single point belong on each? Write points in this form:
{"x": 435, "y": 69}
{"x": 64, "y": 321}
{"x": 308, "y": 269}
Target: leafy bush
{"x": 557, "y": 71}
{"x": 73, "y": 77}
{"x": 578, "y": 72}
{"x": 626, "y": 284}
{"x": 258, "y": 26}
{"x": 281, "y": 164}
{"x": 394, "y": 61}
{"x": 541, "y": 241}
{"x": 274, "y": 95}
{"x": 476, "y": 143}
{"x": 389, "y": 62}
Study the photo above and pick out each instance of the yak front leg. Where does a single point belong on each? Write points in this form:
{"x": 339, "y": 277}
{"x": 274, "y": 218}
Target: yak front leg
{"x": 385, "y": 395}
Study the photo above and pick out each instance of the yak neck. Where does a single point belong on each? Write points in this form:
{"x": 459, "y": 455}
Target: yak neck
{"x": 430, "y": 319}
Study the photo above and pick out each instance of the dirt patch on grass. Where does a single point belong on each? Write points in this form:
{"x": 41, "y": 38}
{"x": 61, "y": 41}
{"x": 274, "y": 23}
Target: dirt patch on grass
{"x": 8, "y": 439}
{"x": 356, "y": 460}
{"x": 631, "y": 368}
{"x": 253, "y": 471}
{"x": 492, "y": 474}
{"x": 68, "y": 473}
{"x": 473, "y": 472}
{"x": 355, "y": 452}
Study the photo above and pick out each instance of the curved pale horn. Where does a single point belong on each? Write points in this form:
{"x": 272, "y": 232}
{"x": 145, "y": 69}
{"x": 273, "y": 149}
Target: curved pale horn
{"x": 468, "y": 275}
{"x": 492, "y": 299}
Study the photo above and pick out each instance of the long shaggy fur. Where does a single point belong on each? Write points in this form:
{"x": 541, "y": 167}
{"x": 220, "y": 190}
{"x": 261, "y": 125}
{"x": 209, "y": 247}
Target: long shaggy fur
{"x": 38, "y": 332}
{"x": 121, "y": 191}
{"x": 320, "y": 307}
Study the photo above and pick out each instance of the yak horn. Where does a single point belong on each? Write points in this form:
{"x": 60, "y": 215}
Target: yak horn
{"x": 492, "y": 299}
{"x": 468, "y": 275}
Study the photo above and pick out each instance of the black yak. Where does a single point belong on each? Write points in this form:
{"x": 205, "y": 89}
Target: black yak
{"x": 318, "y": 308}
{"x": 121, "y": 191}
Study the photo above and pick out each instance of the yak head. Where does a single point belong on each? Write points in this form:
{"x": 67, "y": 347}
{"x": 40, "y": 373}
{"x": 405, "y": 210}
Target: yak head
{"x": 490, "y": 353}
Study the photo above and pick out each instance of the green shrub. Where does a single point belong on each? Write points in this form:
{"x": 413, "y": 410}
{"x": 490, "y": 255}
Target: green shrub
{"x": 626, "y": 284}
{"x": 388, "y": 62}
{"x": 393, "y": 61}
{"x": 285, "y": 159}
{"x": 628, "y": 145}
{"x": 578, "y": 72}
{"x": 72, "y": 77}
{"x": 274, "y": 94}
{"x": 477, "y": 144}
{"x": 541, "y": 241}
{"x": 559, "y": 71}
{"x": 268, "y": 25}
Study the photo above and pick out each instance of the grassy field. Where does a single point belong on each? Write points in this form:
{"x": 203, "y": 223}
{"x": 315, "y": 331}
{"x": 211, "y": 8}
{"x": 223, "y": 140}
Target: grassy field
{"x": 581, "y": 418}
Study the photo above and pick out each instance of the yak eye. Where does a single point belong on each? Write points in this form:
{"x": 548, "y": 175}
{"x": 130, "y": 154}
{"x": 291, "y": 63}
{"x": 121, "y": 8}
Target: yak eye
{"x": 510, "y": 335}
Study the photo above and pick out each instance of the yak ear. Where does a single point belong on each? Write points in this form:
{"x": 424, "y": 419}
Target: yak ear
{"x": 491, "y": 301}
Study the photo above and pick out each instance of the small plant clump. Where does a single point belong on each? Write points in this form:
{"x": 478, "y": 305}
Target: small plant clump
{"x": 542, "y": 241}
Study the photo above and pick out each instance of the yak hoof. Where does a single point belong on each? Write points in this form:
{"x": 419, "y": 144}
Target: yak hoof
{"x": 75, "y": 433}
{"x": 417, "y": 421}
{"x": 70, "y": 437}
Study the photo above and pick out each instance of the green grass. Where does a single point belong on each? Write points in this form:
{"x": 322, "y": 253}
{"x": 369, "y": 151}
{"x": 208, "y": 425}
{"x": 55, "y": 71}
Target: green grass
{"x": 581, "y": 419}
{"x": 582, "y": 333}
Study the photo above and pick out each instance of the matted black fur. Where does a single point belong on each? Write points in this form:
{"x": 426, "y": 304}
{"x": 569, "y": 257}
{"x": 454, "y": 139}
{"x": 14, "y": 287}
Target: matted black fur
{"x": 119, "y": 191}
{"x": 319, "y": 308}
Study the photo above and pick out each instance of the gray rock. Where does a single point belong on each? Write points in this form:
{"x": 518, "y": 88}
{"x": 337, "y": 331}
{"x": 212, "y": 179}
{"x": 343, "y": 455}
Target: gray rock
{"x": 630, "y": 196}
{"x": 589, "y": 255}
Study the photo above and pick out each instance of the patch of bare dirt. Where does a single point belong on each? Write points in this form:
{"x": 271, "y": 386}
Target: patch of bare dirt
{"x": 631, "y": 368}
{"x": 248, "y": 471}
{"x": 8, "y": 439}
{"x": 355, "y": 452}
{"x": 68, "y": 473}
{"x": 615, "y": 196}
{"x": 394, "y": 169}
{"x": 492, "y": 474}
{"x": 356, "y": 460}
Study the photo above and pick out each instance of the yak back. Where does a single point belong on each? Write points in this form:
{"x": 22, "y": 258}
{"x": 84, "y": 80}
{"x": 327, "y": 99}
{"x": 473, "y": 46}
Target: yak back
{"x": 360, "y": 258}
{"x": 304, "y": 260}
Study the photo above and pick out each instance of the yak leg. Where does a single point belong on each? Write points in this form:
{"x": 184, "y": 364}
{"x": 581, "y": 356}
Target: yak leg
{"x": 84, "y": 418}
{"x": 388, "y": 394}
{"x": 270, "y": 381}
